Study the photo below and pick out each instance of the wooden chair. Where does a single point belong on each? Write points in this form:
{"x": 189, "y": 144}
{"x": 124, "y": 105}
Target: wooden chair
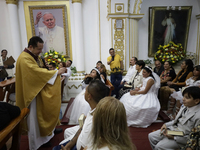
{"x": 4, "y": 86}
{"x": 14, "y": 130}
{"x": 109, "y": 84}
{"x": 10, "y": 97}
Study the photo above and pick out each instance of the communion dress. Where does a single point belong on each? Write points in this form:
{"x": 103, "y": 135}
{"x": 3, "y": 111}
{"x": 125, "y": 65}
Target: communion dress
{"x": 142, "y": 109}
{"x": 78, "y": 107}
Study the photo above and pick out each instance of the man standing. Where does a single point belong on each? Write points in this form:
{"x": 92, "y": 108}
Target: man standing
{"x": 38, "y": 89}
{"x": 67, "y": 75}
{"x": 158, "y": 68}
{"x": 116, "y": 67}
{"x": 52, "y": 34}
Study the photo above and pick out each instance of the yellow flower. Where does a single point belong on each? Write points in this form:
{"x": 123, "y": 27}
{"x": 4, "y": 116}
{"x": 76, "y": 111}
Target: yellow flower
{"x": 163, "y": 60}
{"x": 46, "y": 53}
{"x": 62, "y": 56}
{"x": 158, "y": 51}
{"x": 171, "y": 55}
{"x": 49, "y": 60}
{"x": 55, "y": 52}
{"x": 173, "y": 61}
{"x": 172, "y": 58}
{"x": 167, "y": 56}
{"x": 166, "y": 53}
{"x": 163, "y": 56}
{"x": 53, "y": 61}
{"x": 64, "y": 59}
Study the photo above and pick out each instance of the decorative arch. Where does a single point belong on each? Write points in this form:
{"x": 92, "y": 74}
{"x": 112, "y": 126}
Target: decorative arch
{"x": 137, "y": 6}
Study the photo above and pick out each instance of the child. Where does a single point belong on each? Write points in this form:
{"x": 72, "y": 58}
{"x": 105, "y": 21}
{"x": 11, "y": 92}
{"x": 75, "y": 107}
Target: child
{"x": 186, "y": 119}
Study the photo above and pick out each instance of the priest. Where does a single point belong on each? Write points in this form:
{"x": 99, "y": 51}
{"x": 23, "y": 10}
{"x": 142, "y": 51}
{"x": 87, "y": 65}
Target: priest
{"x": 38, "y": 89}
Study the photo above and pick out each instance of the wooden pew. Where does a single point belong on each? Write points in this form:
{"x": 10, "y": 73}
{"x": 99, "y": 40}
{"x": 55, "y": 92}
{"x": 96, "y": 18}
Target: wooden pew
{"x": 14, "y": 130}
{"x": 5, "y": 86}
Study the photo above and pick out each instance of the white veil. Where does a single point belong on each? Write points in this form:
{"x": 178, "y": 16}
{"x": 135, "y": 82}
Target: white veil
{"x": 99, "y": 74}
{"x": 157, "y": 78}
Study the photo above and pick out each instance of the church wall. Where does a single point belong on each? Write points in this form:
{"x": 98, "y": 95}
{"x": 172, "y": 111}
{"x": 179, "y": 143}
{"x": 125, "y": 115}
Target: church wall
{"x": 97, "y": 28}
{"x": 90, "y": 33}
{"x": 143, "y": 23}
{"x": 5, "y": 33}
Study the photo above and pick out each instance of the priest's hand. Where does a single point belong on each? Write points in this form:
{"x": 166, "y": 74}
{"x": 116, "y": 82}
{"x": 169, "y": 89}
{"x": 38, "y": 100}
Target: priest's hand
{"x": 61, "y": 70}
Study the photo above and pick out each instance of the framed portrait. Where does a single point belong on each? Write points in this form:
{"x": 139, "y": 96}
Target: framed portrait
{"x": 168, "y": 24}
{"x": 52, "y": 23}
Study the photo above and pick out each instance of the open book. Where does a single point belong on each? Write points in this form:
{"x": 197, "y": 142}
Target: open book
{"x": 81, "y": 120}
{"x": 178, "y": 133}
{"x": 126, "y": 85}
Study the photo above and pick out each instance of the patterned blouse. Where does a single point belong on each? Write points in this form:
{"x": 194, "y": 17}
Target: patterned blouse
{"x": 194, "y": 139}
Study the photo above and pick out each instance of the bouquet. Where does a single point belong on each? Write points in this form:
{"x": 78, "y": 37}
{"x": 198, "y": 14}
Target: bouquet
{"x": 55, "y": 57}
{"x": 171, "y": 52}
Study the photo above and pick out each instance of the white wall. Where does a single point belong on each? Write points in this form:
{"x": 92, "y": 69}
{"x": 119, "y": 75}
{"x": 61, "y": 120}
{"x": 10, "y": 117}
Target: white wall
{"x": 5, "y": 34}
{"x": 97, "y": 28}
{"x": 143, "y": 23}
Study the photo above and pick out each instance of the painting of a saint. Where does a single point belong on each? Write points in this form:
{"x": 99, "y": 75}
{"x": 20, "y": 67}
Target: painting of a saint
{"x": 168, "y": 25}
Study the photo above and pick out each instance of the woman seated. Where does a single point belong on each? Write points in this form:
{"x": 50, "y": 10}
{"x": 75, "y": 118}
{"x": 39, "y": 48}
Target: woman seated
{"x": 142, "y": 105}
{"x": 109, "y": 130}
{"x": 168, "y": 74}
{"x": 179, "y": 82}
{"x": 177, "y": 98}
{"x": 103, "y": 72}
{"x": 135, "y": 81}
{"x": 79, "y": 105}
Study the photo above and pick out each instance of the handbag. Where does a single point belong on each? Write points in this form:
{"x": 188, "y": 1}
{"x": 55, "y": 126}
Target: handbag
{"x": 3, "y": 73}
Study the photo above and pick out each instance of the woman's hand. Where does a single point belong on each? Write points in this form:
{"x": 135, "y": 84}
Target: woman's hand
{"x": 133, "y": 92}
{"x": 64, "y": 148}
{"x": 137, "y": 89}
{"x": 169, "y": 83}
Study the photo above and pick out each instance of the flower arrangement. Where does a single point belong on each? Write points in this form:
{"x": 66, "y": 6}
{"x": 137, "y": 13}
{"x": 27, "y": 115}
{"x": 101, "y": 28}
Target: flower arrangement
{"x": 191, "y": 55}
{"x": 148, "y": 62}
{"x": 170, "y": 52}
{"x": 55, "y": 57}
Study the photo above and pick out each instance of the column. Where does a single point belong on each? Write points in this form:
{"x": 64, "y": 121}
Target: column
{"x": 78, "y": 23}
{"x": 198, "y": 39}
{"x": 133, "y": 40}
{"x": 14, "y": 27}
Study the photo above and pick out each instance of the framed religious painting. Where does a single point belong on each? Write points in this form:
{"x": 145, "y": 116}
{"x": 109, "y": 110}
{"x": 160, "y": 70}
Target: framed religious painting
{"x": 168, "y": 24}
{"x": 51, "y": 22}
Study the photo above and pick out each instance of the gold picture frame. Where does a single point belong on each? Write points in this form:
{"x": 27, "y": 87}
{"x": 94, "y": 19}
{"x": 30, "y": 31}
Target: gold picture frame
{"x": 168, "y": 24}
{"x": 61, "y": 12}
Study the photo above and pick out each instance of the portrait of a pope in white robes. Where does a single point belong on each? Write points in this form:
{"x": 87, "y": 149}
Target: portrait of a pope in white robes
{"x": 51, "y": 33}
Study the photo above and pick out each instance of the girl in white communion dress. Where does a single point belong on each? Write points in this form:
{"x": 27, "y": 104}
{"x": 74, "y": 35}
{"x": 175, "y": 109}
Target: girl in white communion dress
{"x": 79, "y": 105}
{"x": 142, "y": 105}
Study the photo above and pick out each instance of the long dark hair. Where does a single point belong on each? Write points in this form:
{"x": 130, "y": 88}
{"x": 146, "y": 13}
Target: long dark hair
{"x": 190, "y": 68}
{"x": 169, "y": 62}
{"x": 149, "y": 71}
{"x": 197, "y": 69}
{"x": 89, "y": 79}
